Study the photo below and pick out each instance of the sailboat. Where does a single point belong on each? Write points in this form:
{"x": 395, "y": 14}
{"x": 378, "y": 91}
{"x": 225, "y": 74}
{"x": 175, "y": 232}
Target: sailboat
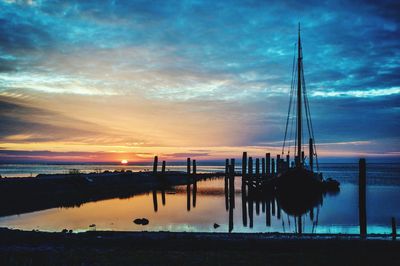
{"x": 300, "y": 180}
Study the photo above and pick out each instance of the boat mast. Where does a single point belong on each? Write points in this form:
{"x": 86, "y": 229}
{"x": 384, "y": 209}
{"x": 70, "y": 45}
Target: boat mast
{"x": 299, "y": 95}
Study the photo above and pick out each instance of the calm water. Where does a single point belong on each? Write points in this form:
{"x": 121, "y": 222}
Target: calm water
{"x": 337, "y": 214}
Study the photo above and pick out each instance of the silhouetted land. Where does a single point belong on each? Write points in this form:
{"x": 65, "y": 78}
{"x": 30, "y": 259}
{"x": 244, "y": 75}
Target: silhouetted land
{"x": 20, "y": 195}
{"x": 162, "y": 248}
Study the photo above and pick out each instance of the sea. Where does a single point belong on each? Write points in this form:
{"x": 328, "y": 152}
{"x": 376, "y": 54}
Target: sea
{"x": 183, "y": 209}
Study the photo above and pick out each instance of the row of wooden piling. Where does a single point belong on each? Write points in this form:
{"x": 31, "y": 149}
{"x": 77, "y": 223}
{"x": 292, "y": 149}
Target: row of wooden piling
{"x": 268, "y": 170}
{"x": 155, "y": 166}
{"x": 269, "y": 166}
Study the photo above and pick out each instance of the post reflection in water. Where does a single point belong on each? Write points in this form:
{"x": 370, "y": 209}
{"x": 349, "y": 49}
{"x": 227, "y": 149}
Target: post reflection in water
{"x": 272, "y": 204}
{"x": 155, "y": 204}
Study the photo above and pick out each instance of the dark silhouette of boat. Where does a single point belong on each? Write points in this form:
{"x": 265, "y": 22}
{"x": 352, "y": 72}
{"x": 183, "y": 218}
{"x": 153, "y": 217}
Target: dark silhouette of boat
{"x": 299, "y": 183}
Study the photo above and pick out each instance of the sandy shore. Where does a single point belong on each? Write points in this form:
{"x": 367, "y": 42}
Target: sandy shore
{"x": 162, "y": 248}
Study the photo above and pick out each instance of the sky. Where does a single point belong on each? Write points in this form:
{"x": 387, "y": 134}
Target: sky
{"x": 111, "y": 80}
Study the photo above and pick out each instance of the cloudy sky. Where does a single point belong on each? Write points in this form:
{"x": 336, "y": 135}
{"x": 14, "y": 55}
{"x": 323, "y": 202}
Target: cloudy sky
{"x": 111, "y": 80}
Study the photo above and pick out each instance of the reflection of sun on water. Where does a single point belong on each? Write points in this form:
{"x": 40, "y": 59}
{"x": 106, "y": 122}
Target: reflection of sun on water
{"x": 124, "y": 162}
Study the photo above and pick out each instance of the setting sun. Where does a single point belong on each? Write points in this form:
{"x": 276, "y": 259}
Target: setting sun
{"x": 124, "y": 162}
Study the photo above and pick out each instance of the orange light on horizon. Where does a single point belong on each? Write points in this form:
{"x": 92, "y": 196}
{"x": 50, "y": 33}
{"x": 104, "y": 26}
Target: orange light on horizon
{"x": 124, "y": 161}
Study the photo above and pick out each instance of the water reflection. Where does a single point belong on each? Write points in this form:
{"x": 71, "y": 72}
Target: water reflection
{"x": 207, "y": 205}
{"x": 272, "y": 205}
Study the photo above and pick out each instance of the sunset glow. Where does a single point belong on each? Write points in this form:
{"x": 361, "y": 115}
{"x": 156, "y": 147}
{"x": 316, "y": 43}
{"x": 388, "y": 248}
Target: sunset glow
{"x": 96, "y": 83}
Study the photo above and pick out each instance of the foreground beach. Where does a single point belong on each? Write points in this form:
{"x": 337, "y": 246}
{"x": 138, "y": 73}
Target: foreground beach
{"x": 162, "y": 248}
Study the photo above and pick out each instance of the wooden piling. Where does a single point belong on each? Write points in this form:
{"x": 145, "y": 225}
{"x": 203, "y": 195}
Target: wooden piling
{"x": 155, "y": 164}
{"x": 287, "y": 162}
{"x": 163, "y": 167}
{"x": 194, "y": 167}
{"x": 188, "y": 166}
{"x": 394, "y": 229}
{"x": 263, "y": 167}
{"x": 311, "y": 155}
{"x": 257, "y": 168}
{"x": 251, "y": 167}
{"x": 278, "y": 164}
{"x": 362, "y": 197}
{"x": 268, "y": 163}
{"x": 244, "y": 165}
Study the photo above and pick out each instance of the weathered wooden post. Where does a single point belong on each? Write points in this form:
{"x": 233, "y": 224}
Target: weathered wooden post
{"x": 362, "y": 197}
{"x": 287, "y": 162}
{"x": 251, "y": 167}
{"x": 394, "y": 230}
{"x": 226, "y": 186}
{"x": 268, "y": 163}
{"x": 263, "y": 167}
{"x": 194, "y": 167}
{"x": 311, "y": 155}
{"x": 244, "y": 165}
{"x": 233, "y": 163}
{"x": 257, "y": 168}
{"x": 272, "y": 166}
{"x": 188, "y": 166}
{"x": 155, "y": 164}
{"x": 278, "y": 164}
{"x": 163, "y": 167}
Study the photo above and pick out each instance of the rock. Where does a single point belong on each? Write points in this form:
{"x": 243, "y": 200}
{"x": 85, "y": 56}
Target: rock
{"x": 142, "y": 221}
{"x": 216, "y": 225}
{"x": 64, "y": 231}
{"x": 92, "y": 225}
